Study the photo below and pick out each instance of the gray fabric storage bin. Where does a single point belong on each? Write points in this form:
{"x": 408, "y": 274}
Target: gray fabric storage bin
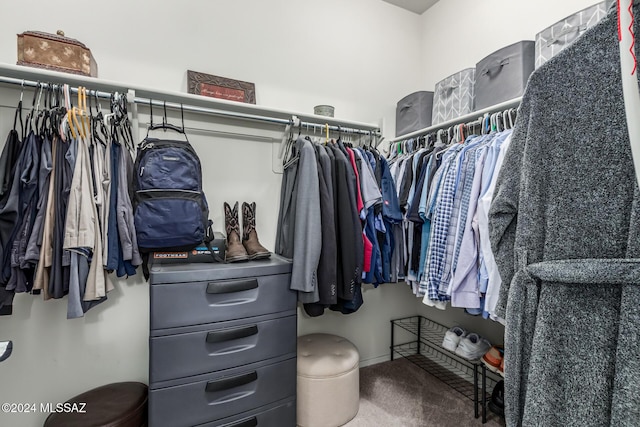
{"x": 413, "y": 112}
{"x": 503, "y": 75}
{"x": 454, "y": 96}
{"x": 552, "y": 40}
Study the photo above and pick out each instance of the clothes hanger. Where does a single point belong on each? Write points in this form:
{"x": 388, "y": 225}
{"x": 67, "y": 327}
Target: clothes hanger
{"x": 18, "y": 113}
{"x": 81, "y": 111}
{"x": 109, "y": 119}
{"x": 287, "y": 146}
{"x": 30, "y": 116}
{"x": 37, "y": 110}
{"x": 66, "y": 125}
{"x": 75, "y": 112}
{"x": 128, "y": 133}
{"x": 375, "y": 146}
{"x": 513, "y": 115}
{"x": 294, "y": 158}
{"x": 99, "y": 129}
{"x": 165, "y": 124}
{"x": 43, "y": 120}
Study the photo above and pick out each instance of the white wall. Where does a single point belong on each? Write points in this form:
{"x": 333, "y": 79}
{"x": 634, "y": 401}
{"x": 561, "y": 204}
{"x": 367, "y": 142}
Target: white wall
{"x": 456, "y": 34}
{"x": 299, "y": 54}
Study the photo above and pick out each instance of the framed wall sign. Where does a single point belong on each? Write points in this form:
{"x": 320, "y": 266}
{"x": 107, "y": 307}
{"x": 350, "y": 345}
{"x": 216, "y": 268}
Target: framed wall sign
{"x": 220, "y": 87}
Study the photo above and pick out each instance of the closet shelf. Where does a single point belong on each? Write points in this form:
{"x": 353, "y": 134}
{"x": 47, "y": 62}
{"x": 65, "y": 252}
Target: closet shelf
{"x": 426, "y": 352}
{"x": 219, "y": 107}
{"x": 462, "y": 119}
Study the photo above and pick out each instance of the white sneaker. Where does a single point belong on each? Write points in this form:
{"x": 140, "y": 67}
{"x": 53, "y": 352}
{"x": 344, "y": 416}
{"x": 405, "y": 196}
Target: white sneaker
{"x": 473, "y": 347}
{"x": 452, "y": 338}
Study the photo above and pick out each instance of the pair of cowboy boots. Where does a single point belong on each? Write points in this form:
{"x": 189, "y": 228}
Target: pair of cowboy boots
{"x": 249, "y": 248}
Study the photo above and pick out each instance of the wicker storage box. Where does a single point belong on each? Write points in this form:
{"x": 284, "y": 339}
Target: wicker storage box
{"x": 552, "y": 40}
{"x": 454, "y": 96}
{"x": 413, "y": 112}
{"x": 503, "y": 75}
{"x": 55, "y": 52}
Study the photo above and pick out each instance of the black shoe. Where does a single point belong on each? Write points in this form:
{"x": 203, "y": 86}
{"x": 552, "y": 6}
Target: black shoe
{"x": 496, "y": 404}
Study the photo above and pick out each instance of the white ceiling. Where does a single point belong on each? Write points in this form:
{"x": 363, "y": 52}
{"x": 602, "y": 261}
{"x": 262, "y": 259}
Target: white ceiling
{"x": 416, "y": 6}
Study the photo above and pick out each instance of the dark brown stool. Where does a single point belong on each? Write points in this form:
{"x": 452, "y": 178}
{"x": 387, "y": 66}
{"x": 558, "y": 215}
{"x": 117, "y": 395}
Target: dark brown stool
{"x": 112, "y": 405}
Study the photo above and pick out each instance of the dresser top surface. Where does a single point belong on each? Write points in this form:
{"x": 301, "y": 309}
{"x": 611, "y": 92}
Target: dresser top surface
{"x": 196, "y": 272}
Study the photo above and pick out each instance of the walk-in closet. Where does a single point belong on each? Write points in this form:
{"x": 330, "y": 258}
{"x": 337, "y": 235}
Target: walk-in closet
{"x": 380, "y": 213}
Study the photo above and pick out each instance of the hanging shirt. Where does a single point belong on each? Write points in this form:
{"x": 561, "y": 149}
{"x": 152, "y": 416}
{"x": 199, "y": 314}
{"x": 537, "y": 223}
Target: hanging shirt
{"x": 59, "y": 280}
{"x": 464, "y": 284}
{"x": 16, "y": 273}
{"x": 494, "y": 281}
{"x": 32, "y": 254}
{"x": 442, "y": 208}
{"x": 43, "y": 269}
{"x": 482, "y": 211}
{"x": 327, "y": 278}
{"x": 465, "y": 196}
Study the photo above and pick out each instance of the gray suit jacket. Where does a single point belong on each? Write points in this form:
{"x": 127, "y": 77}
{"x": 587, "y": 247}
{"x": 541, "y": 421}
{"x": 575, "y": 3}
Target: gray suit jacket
{"x": 565, "y": 229}
{"x": 300, "y": 232}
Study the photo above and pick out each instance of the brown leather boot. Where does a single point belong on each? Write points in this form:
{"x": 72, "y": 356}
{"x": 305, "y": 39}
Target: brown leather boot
{"x": 235, "y": 250}
{"x": 249, "y": 234}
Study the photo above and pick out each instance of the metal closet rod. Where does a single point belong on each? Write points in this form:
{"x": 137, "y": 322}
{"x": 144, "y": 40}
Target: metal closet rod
{"x": 476, "y": 115}
{"x": 196, "y": 109}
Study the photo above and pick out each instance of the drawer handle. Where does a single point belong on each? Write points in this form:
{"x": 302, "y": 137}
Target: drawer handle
{"x": 251, "y": 422}
{"x": 227, "y": 383}
{"x": 231, "y": 286}
{"x": 232, "y": 334}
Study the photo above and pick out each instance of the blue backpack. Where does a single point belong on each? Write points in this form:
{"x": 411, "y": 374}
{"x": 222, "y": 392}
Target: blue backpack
{"x": 170, "y": 208}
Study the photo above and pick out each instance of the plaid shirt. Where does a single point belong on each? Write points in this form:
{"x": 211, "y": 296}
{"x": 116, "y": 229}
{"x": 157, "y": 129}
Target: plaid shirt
{"x": 464, "y": 178}
{"x": 471, "y": 160}
{"x": 442, "y": 203}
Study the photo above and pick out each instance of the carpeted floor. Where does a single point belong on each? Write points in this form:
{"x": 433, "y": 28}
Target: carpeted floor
{"x": 399, "y": 394}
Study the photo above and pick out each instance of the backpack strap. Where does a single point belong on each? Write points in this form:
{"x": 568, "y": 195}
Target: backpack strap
{"x": 145, "y": 264}
{"x": 208, "y": 238}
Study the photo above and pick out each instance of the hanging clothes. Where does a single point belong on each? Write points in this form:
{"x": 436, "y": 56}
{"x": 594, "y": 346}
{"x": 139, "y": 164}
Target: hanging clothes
{"x": 327, "y": 275}
{"x": 8, "y": 205}
{"x": 488, "y": 270}
{"x": 10, "y": 154}
{"x": 300, "y": 229}
{"x": 332, "y": 223}
{"x": 59, "y": 278}
{"x": 43, "y": 269}
{"x": 439, "y": 239}
{"x": 17, "y": 272}
{"x": 119, "y": 190}
{"x": 63, "y": 198}
{"x": 350, "y": 233}
{"x": 32, "y": 254}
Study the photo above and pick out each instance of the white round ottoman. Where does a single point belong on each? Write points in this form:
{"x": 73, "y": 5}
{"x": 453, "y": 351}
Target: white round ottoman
{"x": 328, "y": 381}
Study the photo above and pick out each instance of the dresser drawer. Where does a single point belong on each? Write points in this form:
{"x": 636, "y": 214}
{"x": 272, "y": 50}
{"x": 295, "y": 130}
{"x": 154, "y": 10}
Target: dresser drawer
{"x": 277, "y": 415}
{"x": 220, "y": 395}
{"x": 195, "y": 303}
{"x": 220, "y": 346}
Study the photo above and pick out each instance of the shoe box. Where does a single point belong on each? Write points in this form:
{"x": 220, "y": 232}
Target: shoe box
{"x": 198, "y": 254}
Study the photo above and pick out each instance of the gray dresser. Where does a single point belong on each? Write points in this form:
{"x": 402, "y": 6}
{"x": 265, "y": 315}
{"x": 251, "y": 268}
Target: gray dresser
{"x": 222, "y": 345}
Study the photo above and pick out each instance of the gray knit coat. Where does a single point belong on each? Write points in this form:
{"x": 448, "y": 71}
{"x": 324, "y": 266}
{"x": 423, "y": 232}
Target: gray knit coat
{"x": 565, "y": 230}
